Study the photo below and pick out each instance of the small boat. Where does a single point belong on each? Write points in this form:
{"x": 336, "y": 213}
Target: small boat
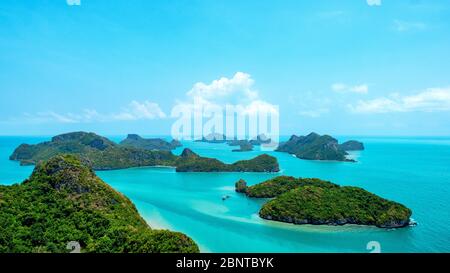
{"x": 225, "y": 197}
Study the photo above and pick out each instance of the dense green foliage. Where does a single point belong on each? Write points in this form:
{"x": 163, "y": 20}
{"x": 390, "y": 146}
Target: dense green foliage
{"x": 64, "y": 201}
{"x": 135, "y": 141}
{"x": 103, "y": 154}
{"x": 314, "y": 147}
{"x": 281, "y": 184}
{"x": 335, "y": 206}
{"x": 96, "y": 151}
{"x": 314, "y": 201}
{"x": 191, "y": 162}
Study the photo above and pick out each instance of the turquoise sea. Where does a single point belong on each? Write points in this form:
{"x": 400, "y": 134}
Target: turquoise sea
{"x": 414, "y": 171}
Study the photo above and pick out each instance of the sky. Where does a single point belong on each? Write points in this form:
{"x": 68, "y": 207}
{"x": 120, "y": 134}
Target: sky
{"x": 359, "y": 67}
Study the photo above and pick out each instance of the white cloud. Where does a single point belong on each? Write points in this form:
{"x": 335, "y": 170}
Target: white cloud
{"x": 344, "y": 88}
{"x": 238, "y": 88}
{"x": 403, "y": 26}
{"x": 373, "y": 2}
{"x": 237, "y": 91}
{"x": 430, "y": 100}
{"x": 134, "y": 111}
{"x": 140, "y": 110}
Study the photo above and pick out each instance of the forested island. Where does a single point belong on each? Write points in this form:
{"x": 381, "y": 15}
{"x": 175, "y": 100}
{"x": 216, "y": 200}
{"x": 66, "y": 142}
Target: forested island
{"x": 317, "y": 147}
{"x": 245, "y": 145}
{"x": 101, "y": 153}
{"x": 191, "y": 162}
{"x": 135, "y": 141}
{"x": 314, "y": 201}
{"x": 64, "y": 201}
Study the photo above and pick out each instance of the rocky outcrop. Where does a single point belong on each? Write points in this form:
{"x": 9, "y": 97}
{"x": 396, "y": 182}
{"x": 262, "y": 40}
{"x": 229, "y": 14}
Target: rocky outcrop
{"x": 317, "y": 202}
{"x": 352, "y": 145}
{"x": 314, "y": 147}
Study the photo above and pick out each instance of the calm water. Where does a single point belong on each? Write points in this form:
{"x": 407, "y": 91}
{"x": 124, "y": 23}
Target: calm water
{"x": 413, "y": 171}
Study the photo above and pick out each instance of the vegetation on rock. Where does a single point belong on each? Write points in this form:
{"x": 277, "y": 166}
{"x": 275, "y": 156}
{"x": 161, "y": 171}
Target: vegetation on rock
{"x": 241, "y": 186}
{"x": 102, "y": 154}
{"x": 98, "y": 152}
{"x": 191, "y": 162}
{"x": 352, "y": 145}
{"x": 314, "y": 147}
{"x": 318, "y": 202}
{"x": 64, "y": 201}
{"x": 135, "y": 141}
{"x": 282, "y": 184}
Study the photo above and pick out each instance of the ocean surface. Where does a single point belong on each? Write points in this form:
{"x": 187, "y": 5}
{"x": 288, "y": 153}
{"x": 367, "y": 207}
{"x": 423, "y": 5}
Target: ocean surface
{"x": 412, "y": 171}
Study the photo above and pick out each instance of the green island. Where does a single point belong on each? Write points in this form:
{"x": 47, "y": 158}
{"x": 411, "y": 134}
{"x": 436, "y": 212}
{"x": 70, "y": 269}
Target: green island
{"x": 64, "y": 201}
{"x": 244, "y": 144}
{"x": 98, "y": 152}
{"x": 101, "y": 153}
{"x": 317, "y": 147}
{"x": 135, "y": 141}
{"x": 317, "y": 202}
{"x": 191, "y": 162}
{"x": 352, "y": 145}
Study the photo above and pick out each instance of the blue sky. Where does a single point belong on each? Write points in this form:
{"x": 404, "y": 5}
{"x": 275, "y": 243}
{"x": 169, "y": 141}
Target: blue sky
{"x": 360, "y": 67}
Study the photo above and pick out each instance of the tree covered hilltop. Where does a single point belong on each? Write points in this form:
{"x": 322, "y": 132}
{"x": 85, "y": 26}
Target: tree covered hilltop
{"x": 135, "y": 141}
{"x": 101, "y": 153}
{"x": 318, "y": 202}
{"x": 191, "y": 162}
{"x": 317, "y": 147}
{"x": 64, "y": 201}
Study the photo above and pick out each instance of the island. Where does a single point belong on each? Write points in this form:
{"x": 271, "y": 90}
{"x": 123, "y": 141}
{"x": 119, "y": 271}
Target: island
{"x": 101, "y": 153}
{"x": 317, "y": 147}
{"x": 317, "y": 202}
{"x": 135, "y": 141}
{"x": 244, "y": 145}
{"x": 191, "y": 162}
{"x": 279, "y": 185}
{"x": 98, "y": 152}
{"x": 260, "y": 139}
{"x": 214, "y": 138}
{"x": 63, "y": 201}
{"x": 352, "y": 145}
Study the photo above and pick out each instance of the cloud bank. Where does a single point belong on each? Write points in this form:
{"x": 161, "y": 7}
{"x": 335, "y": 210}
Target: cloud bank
{"x": 145, "y": 110}
{"x": 429, "y": 100}
{"x": 373, "y": 2}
